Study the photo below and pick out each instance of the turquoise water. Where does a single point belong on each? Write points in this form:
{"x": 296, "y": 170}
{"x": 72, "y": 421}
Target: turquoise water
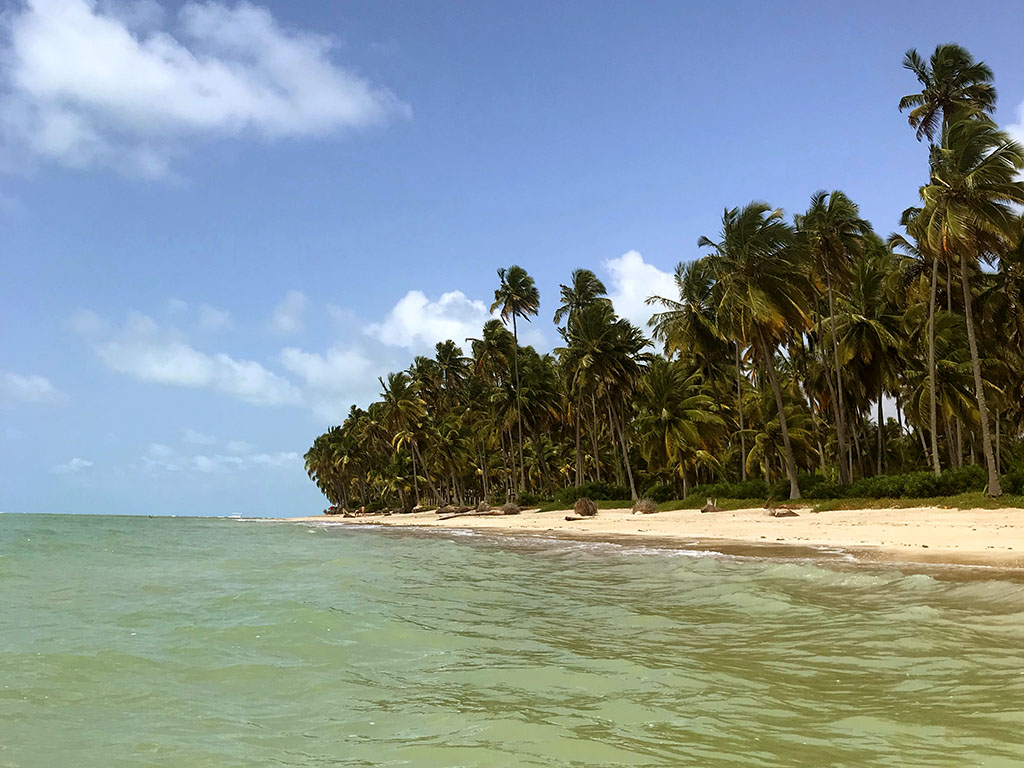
{"x": 188, "y": 642}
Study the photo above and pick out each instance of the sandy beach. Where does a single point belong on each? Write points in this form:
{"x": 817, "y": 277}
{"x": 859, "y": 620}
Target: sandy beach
{"x": 993, "y": 537}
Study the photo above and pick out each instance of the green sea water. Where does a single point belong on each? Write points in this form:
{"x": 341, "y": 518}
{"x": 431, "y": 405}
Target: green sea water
{"x": 131, "y": 642}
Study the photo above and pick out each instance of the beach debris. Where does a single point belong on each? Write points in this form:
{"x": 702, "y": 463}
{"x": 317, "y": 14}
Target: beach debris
{"x": 645, "y": 507}
{"x": 782, "y": 512}
{"x": 483, "y": 506}
{"x": 584, "y": 507}
{"x": 508, "y": 508}
{"x": 711, "y": 506}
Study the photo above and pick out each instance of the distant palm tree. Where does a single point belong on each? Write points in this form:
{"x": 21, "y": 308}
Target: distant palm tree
{"x": 968, "y": 213}
{"x": 762, "y": 288}
{"x": 833, "y": 233}
{"x": 951, "y": 81}
{"x": 584, "y": 289}
{"x": 516, "y": 296}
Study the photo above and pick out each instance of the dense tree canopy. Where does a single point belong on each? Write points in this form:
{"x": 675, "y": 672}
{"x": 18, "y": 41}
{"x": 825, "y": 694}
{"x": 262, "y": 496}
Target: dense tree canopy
{"x": 786, "y": 343}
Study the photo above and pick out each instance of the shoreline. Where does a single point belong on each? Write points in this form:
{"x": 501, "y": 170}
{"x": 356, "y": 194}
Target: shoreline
{"x": 989, "y": 538}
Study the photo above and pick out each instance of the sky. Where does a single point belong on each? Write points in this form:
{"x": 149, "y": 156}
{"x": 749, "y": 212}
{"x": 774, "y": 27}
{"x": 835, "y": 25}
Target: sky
{"x": 221, "y": 222}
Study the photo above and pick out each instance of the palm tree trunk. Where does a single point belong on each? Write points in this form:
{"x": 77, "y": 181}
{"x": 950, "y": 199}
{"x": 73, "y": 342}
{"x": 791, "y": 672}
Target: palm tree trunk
{"x": 739, "y": 410}
{"x": 579, "y": 445}
{"x": 881, "y": 437}
{"x": 840, "y": 422}
{"x": 625, "y": 451}
{"x": 773, "y": 377}
{"x": 519, "y": 404}
{"x": 932, "y": 406}
{"x": 415, "y": 479}
{"x": 979, "y": 384}
{"x": 593, "y": 437}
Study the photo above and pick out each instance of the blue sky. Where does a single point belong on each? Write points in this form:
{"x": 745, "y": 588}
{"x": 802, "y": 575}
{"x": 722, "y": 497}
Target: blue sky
{"x": 222, "y": 222}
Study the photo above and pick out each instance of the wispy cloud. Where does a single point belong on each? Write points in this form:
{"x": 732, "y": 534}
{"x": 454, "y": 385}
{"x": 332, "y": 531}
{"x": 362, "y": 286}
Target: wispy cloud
{"x": 72, "y": 467}
{"x": 114, "y": 84}
{"x": 27, "y": 388}
{"x": 148, "y": 352}
{"x": 289, "y": 314}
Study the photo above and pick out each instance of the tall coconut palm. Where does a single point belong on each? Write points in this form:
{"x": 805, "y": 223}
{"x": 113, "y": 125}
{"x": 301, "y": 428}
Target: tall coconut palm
{"x": 762, "y": 289}
{"x": 833, "y": 233}
{"x": 916, "y": 245}
{"x": 403, "y": 410}
{"x": 516, "y": 296}
{"x": 951, "y": 81}
{"x": 968, "y": 214}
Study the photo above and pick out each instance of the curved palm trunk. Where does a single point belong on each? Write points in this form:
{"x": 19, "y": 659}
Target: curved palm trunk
{"x": 844, "y": 472}
{"x": 933, "y": 409}
{"x": 415, "y": 479}
{"x": 773, "y": 377}
{"x": 979, "y": 385}
{"x": 579, "y": 444}
{"x": 881, "y": 436}
{"x": 739, "y": 410}
{"x": 519, "y": 404}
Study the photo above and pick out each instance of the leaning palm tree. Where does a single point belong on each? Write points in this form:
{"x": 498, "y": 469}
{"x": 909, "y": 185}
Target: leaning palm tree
{"x": 952, "y": 81}
{"x": 833, "y": 233}
{"x": 968, "y": 214}
{"x": 762, "y": 288}
{"x": 515, "y": 297}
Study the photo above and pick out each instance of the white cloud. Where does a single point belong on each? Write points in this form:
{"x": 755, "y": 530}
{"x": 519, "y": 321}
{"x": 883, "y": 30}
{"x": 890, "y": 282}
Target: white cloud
{"x": 111, "y": 84}
{"x": 279, "y": 459}
{"x": 160, "y": 451}
{"x": 31, "y": 388}
{"x": 238, "y": 446}
{"x": 335, "y": 379}
{"x": 176, "y": 306}
{"x": 633, "y": 280}
{"x": 161, "y": 458}
{"x": 417, "y": 322}
{"x": 288, "y": 315}
{"x": 213, "y": 319}
{"x": 145, "y": 351}
{"x": 1016, "y": 130}
{"x": 72, "y": 467}
{"x": 197, "y": 438}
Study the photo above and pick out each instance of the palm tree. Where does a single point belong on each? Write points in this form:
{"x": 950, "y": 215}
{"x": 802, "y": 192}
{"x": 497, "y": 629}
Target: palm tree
{"x": 917, "y": 247}
{"x": 584, "y": 289}
{"x": 516, "y": 296}
{"x": 403, "y": 410}
{"x": 762, "y": 287}
{"x": 833, "y": 233}
{"x": 967, "y": 213}
{"x": 676, "y": 418}
{"x": 952, "y": 81}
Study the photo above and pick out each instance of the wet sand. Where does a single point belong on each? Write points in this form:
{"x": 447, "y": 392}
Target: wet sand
{"x": 988, "y": 537}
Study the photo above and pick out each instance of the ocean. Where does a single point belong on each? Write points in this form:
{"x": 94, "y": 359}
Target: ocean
{"x": 130, "y": 642}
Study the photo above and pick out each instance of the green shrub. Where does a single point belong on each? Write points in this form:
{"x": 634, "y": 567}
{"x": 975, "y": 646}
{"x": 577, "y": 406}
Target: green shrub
{"x": 527, "y": 499}
{"x": 592, "y": 491}
{"x": 1013, "y": 482}
{"x": 660, "y": 492}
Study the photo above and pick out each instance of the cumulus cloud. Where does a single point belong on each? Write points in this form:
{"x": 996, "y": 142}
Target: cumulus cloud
{"x": 417, "y": 322}
{"x": 73, "y": 467}
{"x": 288, "y": 315}
{"x": 114, "y": 83}
{"x": 335, "y": 379}
{"x": 147, "y": 352}
{"x": 31, "y": 388}
{"x": 632, "y": 281}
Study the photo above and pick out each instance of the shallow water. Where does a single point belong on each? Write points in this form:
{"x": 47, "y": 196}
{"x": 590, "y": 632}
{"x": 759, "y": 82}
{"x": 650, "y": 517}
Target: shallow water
{"x": 189, "y": 642}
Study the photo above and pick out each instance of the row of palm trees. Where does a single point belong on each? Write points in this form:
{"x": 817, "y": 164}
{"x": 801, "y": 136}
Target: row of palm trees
{"x": 787, "y": 342}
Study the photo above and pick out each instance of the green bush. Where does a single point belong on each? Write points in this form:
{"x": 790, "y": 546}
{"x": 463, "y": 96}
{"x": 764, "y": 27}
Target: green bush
{"x": 527, "y": 499}
{"x": 1013, "y": 482}
{"x": 603, "y": 491}
{"x": 660, "y": 492}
